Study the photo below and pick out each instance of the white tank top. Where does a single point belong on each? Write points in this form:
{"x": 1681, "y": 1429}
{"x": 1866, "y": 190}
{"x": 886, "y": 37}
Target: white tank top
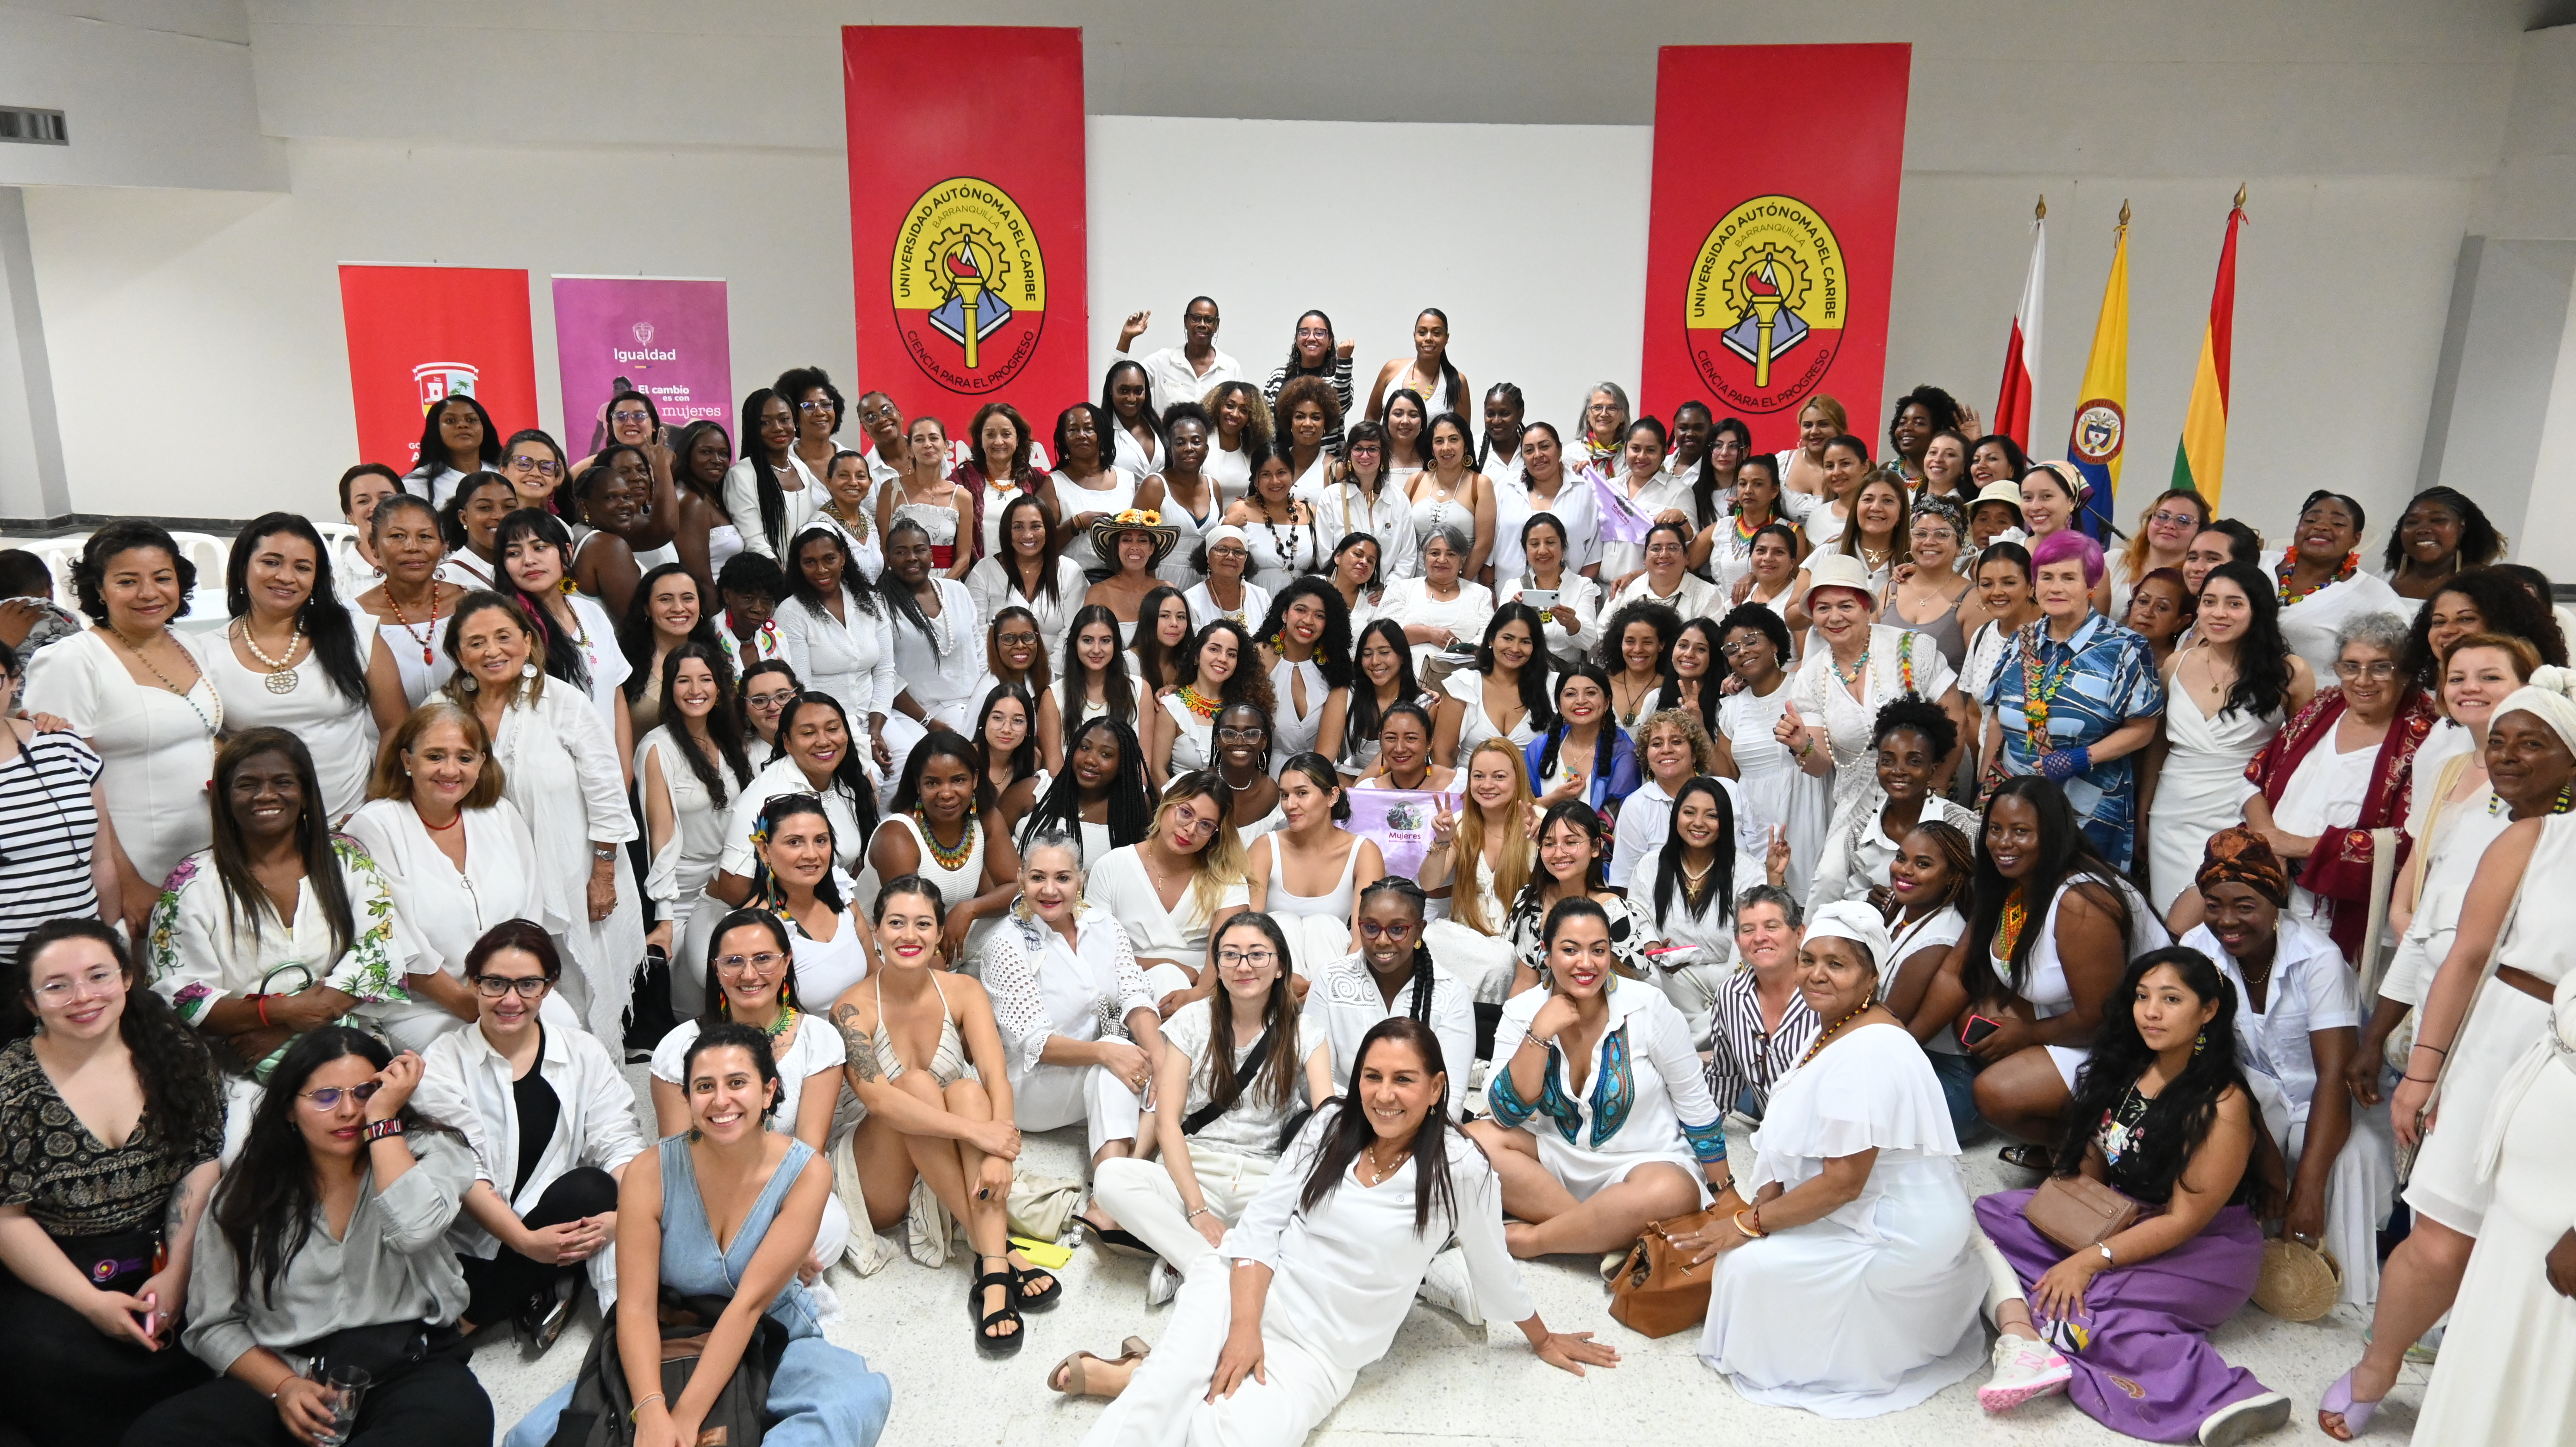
{"x": 1337, "y": 904}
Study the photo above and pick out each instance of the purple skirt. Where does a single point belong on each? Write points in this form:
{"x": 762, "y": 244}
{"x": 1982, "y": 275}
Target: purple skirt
{"x": 2145, "y": 1367}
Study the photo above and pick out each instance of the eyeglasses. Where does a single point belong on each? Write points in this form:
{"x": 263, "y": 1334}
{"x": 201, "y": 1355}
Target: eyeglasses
{"x": 2383, "y": 669}
{"x": 1252, "y": 735}
{"x": 818, "y": 404}
{"x": 1228, "y": 959}
{"x": 1396, "y": 931}
{"x": 735, "y": 964}
{"x": 1742, "y": 646}
{"x": 2174, "y": 519}
{"x": 1228, "y": 551}
{"x": 630, "y": 415}
{"x": 1018, "y": 640}
{"x": 328, "y": 1097}
{"x": 1370, "y": 448}
{"x": 493, "y": 987}
{"x": 543, "y": 467}
{"x": 52, "y": 991}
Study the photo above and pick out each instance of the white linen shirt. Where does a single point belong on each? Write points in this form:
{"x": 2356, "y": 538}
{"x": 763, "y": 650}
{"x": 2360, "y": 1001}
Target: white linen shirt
{"x": 466, "y": 1083}
{"x": 2311, "y": 989}
{"x": 1344, "y": 1003}
{"x": 1099, "y": 950}
{"x": 1170, "y": 378}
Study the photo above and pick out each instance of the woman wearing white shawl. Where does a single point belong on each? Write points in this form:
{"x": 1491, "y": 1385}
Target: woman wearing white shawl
{"x": 1849, "y": 1286}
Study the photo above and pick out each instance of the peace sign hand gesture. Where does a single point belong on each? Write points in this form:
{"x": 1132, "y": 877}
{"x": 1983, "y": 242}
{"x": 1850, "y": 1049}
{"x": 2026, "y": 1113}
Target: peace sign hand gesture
{"x": 1444, "y": 826}
{"x": 1775, "y": 858}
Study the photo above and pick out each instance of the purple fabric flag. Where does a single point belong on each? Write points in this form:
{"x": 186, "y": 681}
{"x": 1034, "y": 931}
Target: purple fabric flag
{"x": 665, "y": 337}
{"x": 1620, "y": 520}
{"x": 1400, "y": 821}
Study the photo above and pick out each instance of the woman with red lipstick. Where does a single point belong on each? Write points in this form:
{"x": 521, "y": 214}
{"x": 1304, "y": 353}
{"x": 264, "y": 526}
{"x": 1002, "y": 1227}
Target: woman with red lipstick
{"x": 1305, "y": 646}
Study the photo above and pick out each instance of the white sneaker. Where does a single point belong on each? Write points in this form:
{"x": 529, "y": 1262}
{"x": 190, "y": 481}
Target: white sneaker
{"x": 2023, "y": 1369}
{"x": 1448, "y": 1286}
{"x": 1161, "y": 1283}
{"x": 2243, "y": 1421}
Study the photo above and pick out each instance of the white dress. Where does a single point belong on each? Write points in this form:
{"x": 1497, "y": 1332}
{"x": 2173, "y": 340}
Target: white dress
{"x": 1344, "y": 1278}
{"x": 1293, "y": 732}
{"x": 2201, "y": 788}
{"x": 2046, "y": 987}
{"x": 1579, "y": 513}
{"x": 1475, "y": 726}
{"x": 419, "y": 653}
{"x": 1899, "y": 661}
{"x": 1205, "y": 609}
{"x": 955, "y": 886}
{"x": 939, "y": 671}
{"x": 1699, "y": 950}
{"x": 1318, "y": 925}
{"x": 1120, "y": 885}
{"x": 2511, "y": 1351}
{"x": 994, "y": 590}
{"x": 2325, "y": 792}
{"x": 1193, "y": 737}
{"x": 1176, "y": 569}
{"x": 1043, "y": 987}
{"x": 1573, "y": 591}
{"x": 2308, "y": 626}
{"x": 1644, "y": 1096}
{"x": 2502, "y": 1023}
{"x": 826, "y": 968}
{"x": 1771, "y": 788}
{"x": 677, "y": 877}
{"x": 440, "y": 911}
{"x": 607, "y": 663}
{"x": 1342, "y": 509}
{"x": 157, "y": 748}
{"x": 1075, "y": 499}
{"x": 864, "y": 544}
{"x": 1873, "y": 1308}
{"x": 2312, "y": 989}
{"x": 1408, "y": 601}
{"x": 2451, "y": 839}
{"x": 339, "y": 732}
{"x": 563, "y": 773}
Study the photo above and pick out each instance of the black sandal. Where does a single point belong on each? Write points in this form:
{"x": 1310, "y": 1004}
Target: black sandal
{"x": 2028, "y": 1157}
{"x": 987, "y": 1341}
{"x": 1045, "y": 1298}
{"x": 1115, "y": 1241}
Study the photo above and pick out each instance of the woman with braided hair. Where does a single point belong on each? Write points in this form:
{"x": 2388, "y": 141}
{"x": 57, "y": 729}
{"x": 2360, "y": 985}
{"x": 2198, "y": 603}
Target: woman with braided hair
{"x": 1391, "y": 975}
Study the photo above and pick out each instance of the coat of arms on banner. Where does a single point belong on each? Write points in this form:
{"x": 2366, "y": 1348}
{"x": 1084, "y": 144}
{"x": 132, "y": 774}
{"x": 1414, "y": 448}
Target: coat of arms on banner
{"x": 1766, "y": 302}
{"x": 969, "y": 285}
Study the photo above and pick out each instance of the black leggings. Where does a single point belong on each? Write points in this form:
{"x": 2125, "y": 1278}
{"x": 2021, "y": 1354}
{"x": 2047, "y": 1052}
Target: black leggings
{"x": 61, "y": 1380}
{"x": 499, "y": 1287}
{"x": 436, "y": 1404}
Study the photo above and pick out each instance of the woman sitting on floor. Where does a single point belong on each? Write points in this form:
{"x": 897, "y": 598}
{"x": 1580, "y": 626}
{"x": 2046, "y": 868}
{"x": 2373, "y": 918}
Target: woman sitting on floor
{"x": 1628, "y": 1128}
{"x": 1393, "y": 974}
{"x": 727, "y": 1178}
{"x": 1325, "y": 1262}
{"x": 2161, "y": 1115}
{"x": 1849, "y": 1286}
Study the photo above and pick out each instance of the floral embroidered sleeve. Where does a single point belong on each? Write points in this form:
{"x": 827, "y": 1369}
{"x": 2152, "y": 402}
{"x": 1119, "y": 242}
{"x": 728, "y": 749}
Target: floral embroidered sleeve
{"x": 372, "y": 969}
{"x": 179, "y": 944}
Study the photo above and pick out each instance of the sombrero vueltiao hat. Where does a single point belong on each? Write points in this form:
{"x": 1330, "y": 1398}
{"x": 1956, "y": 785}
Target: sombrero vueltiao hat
{"x": 1105, "y": 533}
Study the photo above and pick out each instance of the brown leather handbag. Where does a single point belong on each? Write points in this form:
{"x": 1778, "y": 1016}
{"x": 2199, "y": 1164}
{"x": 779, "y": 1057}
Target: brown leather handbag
{"x": 2078, "y": 1212}
{"x": 1658, "y": 1291}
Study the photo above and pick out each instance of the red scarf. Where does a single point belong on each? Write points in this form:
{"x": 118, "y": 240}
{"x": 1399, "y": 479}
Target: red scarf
{"x": 2339, "y": 870}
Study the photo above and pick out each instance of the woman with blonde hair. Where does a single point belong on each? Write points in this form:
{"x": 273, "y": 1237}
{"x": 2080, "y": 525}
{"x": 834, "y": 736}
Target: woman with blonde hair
{"x": 1480, "y": 859}
{"x": 1176, "y": 888}
{"x": 2165, "y": 531}
{"x": 1802, "y": 468}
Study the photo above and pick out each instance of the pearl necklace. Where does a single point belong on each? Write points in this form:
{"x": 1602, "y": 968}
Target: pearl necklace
{"x": 281, "y": 671}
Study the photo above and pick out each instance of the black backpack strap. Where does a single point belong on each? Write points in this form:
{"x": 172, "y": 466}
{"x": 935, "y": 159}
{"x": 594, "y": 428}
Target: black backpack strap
{"x": 1206, "y": 1115}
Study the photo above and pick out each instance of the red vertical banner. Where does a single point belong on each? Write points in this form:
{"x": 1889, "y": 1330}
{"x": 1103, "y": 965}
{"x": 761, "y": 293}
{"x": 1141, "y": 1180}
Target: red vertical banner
{"x": 1772, "y": 237}
{"x": 967, "y": 212}
{"x": 418, "y": 334}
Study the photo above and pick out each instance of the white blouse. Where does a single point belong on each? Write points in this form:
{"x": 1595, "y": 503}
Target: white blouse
{"x": 1343, "y": 508}
{"x": 941, "y": 668}
{"x": 993, "y": 590}
{"x": 157, "y": 747}
{"x": 201, "y": 953}
{"x": 339, "y": 732}
{"x": 785, "y": 776}
{"x": 467, "y": 1084}
{"x": 742, "y": 504}
{"x": 851, "y": 661}
{"x": 445, "y": 910}
{"x": 1408, "y": 601}
{"x": 1575, "y": 592}
{"x": 1120, "y": 884}
{"x": 1344, "y": 1003}
{"x": 686, "y": 863}
{"x": 1100, "y": 962}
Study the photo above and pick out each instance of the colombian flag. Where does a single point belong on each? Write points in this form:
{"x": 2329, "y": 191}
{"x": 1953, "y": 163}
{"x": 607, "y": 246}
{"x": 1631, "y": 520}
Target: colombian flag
{"x": 2102, "y": 403}
{"x": 2200, "y": 462}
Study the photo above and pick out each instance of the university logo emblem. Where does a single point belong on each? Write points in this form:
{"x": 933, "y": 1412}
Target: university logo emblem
{"x": 438, "y": 381}
{"x": 969, "y": 285}
{"x": 2099, "y": 426}
{"x": 1766, "y": 304}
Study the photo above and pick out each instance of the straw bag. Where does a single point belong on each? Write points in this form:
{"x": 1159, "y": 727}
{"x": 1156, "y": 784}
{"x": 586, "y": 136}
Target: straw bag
{"x": 1658, "y": 1291}
{"x": 2297, "y": 1282}
{"x": 2078, "y": 1212}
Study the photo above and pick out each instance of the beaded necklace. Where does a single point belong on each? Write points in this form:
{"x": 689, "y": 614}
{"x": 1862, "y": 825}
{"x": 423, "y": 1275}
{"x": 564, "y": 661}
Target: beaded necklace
{"x": 404, "y": 622}
{"x": 213, "y": 725}
{"x": 1199, "y": 703}
{"x": 2039, "y": 682}
{"x": 950, "y": 860}
{"x": 1827, "y": 1036}
{"x": 2289, "y": 564}
{"x": 2008, "y": 928}
{"x": 786, "y": 1017}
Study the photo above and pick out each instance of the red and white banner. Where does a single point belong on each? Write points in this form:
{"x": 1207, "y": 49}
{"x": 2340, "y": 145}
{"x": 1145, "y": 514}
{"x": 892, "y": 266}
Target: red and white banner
{"x": 967, "y": 199}
{"x": 1772, "y": 236}
{"x": 418, "y": 334}
{"x": 2021, "y": 350}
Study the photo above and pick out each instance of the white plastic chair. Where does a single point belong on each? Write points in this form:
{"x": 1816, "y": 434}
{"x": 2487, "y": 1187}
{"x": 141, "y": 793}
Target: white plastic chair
{"x": 59, "y": 555}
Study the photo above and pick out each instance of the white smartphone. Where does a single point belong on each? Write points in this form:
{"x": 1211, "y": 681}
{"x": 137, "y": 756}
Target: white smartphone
{"x": 1542, "y": 599}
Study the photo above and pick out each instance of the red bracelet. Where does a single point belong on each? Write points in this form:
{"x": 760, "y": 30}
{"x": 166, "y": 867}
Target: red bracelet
{"x": 262, "y": 1002}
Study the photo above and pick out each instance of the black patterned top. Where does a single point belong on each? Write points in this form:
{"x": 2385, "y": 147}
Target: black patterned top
{"x": 71, "y": 1184}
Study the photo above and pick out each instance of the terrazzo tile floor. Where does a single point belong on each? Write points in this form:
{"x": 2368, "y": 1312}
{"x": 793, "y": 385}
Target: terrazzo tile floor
{"x": 1443, "y": 1383}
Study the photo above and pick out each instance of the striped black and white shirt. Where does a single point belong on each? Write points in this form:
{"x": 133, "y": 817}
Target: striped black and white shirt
{"x": 1742, "y": 1055}
{"x": 48, "y": 830}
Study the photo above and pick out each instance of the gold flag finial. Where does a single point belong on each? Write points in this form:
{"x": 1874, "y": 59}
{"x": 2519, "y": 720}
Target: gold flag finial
{"x": 2040, "y": 212}
{"x": 2240, "y": 195}
{"x": 2124, "y": 213}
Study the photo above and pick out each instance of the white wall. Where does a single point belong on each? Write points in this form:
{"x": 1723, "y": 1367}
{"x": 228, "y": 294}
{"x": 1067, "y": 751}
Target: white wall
{"x": 154, "y": 93}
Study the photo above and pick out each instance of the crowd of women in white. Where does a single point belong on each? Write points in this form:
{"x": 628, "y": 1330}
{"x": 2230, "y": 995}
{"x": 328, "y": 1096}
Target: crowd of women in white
{"x": 963, "y": 787}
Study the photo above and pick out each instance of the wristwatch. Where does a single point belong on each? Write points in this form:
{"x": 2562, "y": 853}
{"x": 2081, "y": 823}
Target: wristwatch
{"x": 603, "y": 853}
{"x": 2105, "y": 1248}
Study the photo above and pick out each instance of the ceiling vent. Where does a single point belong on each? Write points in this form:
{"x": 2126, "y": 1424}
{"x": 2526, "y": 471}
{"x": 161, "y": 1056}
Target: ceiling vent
{"x": 33, "y": 127}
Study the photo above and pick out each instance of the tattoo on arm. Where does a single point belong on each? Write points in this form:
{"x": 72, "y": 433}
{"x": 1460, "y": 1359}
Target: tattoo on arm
{"x": 175, "y": 1216}
{"x": 859, "y": 1042}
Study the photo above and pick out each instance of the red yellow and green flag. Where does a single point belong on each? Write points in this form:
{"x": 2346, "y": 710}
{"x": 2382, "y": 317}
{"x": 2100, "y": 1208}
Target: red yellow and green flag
{"x": 2200, "y": 461}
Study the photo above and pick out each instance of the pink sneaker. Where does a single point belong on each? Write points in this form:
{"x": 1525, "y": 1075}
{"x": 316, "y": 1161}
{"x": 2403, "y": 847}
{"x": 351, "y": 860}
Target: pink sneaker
{"x": 2023, "y": 1369}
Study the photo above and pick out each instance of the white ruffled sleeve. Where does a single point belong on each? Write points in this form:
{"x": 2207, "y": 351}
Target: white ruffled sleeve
{"x": 1873, "y": 1090}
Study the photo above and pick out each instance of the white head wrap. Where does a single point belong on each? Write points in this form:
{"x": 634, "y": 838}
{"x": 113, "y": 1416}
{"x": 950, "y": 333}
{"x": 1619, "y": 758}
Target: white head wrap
{"x": 2551, "y": 694}
{"x": 1850, "y": 919}
{"x": 1225, "y": 533}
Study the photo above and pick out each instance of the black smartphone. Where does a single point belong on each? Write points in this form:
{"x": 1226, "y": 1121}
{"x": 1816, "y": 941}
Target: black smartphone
{"x": 1977, "y": 1029}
